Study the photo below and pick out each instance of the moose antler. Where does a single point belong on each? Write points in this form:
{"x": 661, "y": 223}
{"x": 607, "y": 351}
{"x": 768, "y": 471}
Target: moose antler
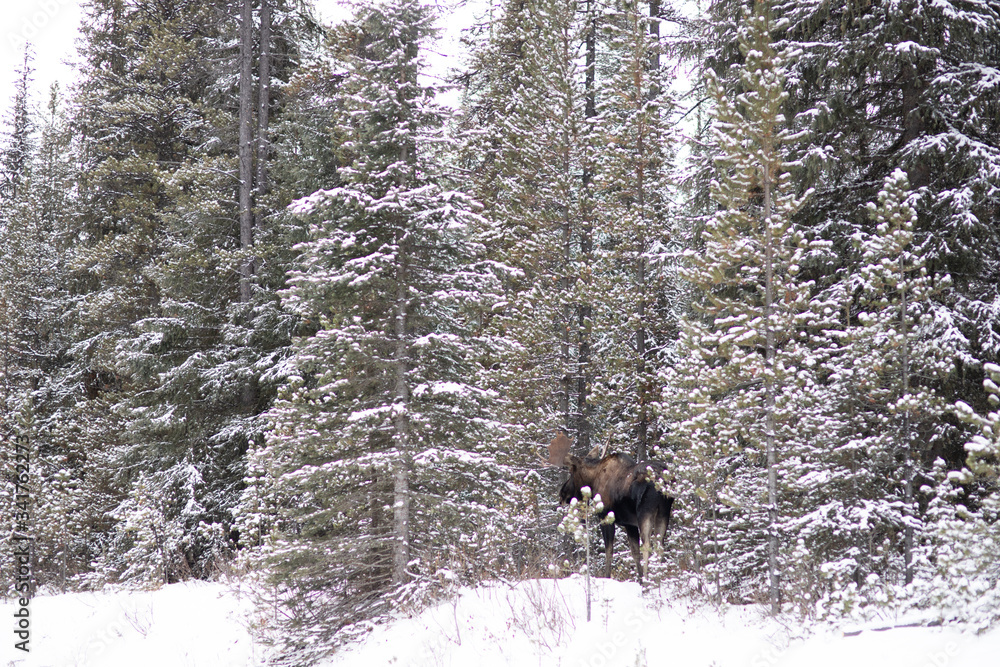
{"x": 558, "y": 449}
{"x": 607, "y": 444}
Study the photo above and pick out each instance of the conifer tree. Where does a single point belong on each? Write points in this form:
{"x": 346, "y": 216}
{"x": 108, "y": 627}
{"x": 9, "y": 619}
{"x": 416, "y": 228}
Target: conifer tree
{"x": 21, "y": 242}
{"x": 533, "y": 160}
{"x": 904, "y": 85}
{"x": 957, "y": 577}
{"x": 163, "y": 345}
{"x": 635, "y": 297}
{"x": 740, "y": 384}
{"x": 15, "y": 160}
{"x": 393, "y": 476}
{"x": 33, "y": 215}
{"x": 885, "y": 374}
{"x": 143, "y": 107}
{"x": 884, "y": 87}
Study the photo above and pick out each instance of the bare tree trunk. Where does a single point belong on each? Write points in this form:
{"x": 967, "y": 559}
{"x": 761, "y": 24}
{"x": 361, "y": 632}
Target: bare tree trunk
{"x": 263, "y": 103}
{"x": 769, "y": 409}
{"x": 584, "y": 309}
{"x": 401, "y": 423}
{"x": 567, "y": 380}
{"x": 642, "y": 428}
{"x": 401, "y": 512}
{"x": 913, "y": 124}
{"x": 246, "y": 145}
{"x": 654, "y": 32}
{"x": 565, "y": 284}
{"x": 907, "y": 453}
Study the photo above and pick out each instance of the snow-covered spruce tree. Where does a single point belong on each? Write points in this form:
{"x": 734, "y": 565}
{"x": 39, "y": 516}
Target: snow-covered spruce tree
{"x": 884, "y": 376}
{"x": 905, "y": 85}
{"x": 17, "y": 153}
{"x": 380, "y": 476}
{"x": 883, "y": 86}
{"x": 741, "y": 392}
{"x": 33, "y": 213}
{"x": 167, "y": 350}
{"x": 140, "y": 114}
{"x": 23, "y": 244}
{"x": 958, "y": 578}
{"x": 531, "y": 92}
{"x": 635, "y": 302}
{"x": 534, "y": 173}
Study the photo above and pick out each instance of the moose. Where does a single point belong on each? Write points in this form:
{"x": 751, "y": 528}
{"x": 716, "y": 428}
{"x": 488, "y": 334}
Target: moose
{"x": 626, "y": 488}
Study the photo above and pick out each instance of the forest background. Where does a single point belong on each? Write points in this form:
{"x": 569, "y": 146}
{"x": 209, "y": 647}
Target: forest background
{"x": 269, "y": 308}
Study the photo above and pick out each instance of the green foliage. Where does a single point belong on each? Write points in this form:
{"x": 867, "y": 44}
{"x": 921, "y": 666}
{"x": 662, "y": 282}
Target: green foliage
{"x": 744, "y": 363}
{"x": 529, "y": 173}
{"x": 960, "y": 580}
{"x": 635, "y": 292}
{"x": 786, "y": 320}
{"x": 377, "y": 479}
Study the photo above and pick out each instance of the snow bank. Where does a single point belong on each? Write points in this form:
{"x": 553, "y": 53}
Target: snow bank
{"x": 194, "y": 624}
{"x": 536, "y": 622}
{"x": 543, "y": 622}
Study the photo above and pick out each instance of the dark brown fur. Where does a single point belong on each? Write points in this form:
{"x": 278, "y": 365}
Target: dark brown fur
{"x": 627, "y": 490}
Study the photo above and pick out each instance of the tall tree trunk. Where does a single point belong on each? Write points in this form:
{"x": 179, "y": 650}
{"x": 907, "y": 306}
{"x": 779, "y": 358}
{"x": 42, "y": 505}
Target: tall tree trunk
{"x": 584, "y": 309}
{"x": 913, "y": 124}
{"x": 769, "y": 390}
{"x": 263, "y": 104}
{"x": 654, "y": 57}
{"x": 907, "y": 453}
{"x": 246, "y": 145}
{"x": 567, "y": 380}
{"x": 642, "y": 428}
{"x": 401, "y": 421}
{"x": 401, "y": 424}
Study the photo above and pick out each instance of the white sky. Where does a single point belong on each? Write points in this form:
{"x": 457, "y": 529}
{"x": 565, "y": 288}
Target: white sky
{"x": 52, "y": 28}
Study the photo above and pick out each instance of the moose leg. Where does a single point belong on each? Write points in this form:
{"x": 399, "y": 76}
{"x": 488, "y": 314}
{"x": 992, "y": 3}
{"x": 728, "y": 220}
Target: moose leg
{"x": 608, "y": 533}
{"x": 633, "y": 544}
{"x": 647, "y": 529}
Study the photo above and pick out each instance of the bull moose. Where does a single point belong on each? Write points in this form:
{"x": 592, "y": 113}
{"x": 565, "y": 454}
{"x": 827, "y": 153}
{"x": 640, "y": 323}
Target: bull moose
{"x": 627, "y": 489}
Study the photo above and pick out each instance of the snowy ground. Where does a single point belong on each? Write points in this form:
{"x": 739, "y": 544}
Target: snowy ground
{"x": 193, "y": 624}
{"x": 543, "y": 622}
{"x": 538, "y": 622}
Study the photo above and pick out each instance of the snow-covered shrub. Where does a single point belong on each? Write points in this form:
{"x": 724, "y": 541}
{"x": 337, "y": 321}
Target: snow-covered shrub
{"x": 158, "y": 530}
{"x": 961, "y": 572}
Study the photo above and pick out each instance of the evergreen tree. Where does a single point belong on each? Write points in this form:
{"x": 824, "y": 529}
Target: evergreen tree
{"x": 532, "y": 92}
{"x": 15, "y": 160}
{"x": 33, "y": 239}
{"x": 635, "y": 294}
{"x": 882, "y": 87}
{"x": 168, "y": 353}
{"x": 142, "y": 105}
{"x": 741, "y": 387}
{"x": 959, "y": 579}
{"x": 393, "y": 479}
{"x": 25, "y": 244}
{"x": 906, "y": 85}
{"x": 532, "y": 101}
{"x": 887, "y": 360}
